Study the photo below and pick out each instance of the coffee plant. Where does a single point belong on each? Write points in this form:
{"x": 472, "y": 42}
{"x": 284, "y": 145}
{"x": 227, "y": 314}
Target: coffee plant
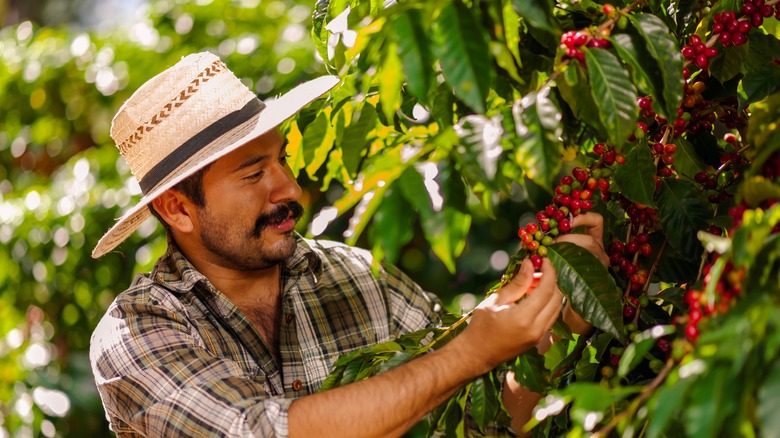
{"x": 659, "y": 115}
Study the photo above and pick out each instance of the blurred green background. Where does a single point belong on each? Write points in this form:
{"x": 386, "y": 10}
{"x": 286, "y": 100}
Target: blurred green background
{"x": 67, "y": 65}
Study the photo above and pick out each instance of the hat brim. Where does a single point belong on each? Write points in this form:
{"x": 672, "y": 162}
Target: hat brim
{"x": 276, "y": 112}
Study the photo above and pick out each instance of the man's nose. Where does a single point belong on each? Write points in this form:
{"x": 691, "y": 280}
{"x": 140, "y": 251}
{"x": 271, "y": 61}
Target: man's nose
{"x": 285, "y": 187}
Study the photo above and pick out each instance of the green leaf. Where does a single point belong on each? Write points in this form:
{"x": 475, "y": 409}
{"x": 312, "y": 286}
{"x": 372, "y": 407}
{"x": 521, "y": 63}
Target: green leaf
{"x": 759, "y": 45}
{"x": 763, "y": 134}
{"x": 414, "y": 50}
{"x": 480, "y": 149}
{"x": 317, "y": 142}
{"x": 589, "y": 397}
{"x": 686, "y": 161}
{"x": 355, "y": 138}
{"x": 318, "y": 32}
{"x": 459, "y": 43}
{"x": 683, "y": 211}
{"x": 538, "y": 14}
{"x": 392, "y": 227}
{"x": 769, "y": 403}
{"x": 589, "y": 287}
{"x": 575, "y": 91}
{"x": 390, "y": 83}
{"x": 757, "y": 85}
{"x": 764, "y": 272}
{"x": 711, "y": 402}
{"x": 445, "y": 230}
{"x": 676, "y": 268}
{"x": 635, "y": 176}
{"x": 395, "y": 360}
{"x": 442, "y": 102}
{"x": 484, "y": 401}
{"x": 729, "y": 63}
{"x": 662, "y": 46}
{"x": 758, "y": 189}
{"x": 537, "y": 125}
{"x": 614, "y": 94}
{"x": 530, "y": 371}
{"x": 631, "y": 49}
{"x": 665, "y": 404}
{"x": 641, "y": 345}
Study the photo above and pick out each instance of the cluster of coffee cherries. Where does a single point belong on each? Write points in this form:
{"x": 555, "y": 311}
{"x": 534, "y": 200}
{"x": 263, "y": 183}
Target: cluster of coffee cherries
{"x": 573, "y": 196}
{"x": 573, "y": 42}
{"x": 732, "y": 27}
{"x": 730, "y": 282}
{"x": 698, "y": 52}
{"x": 729, "y": 160}
{"x": 700, "y": 306}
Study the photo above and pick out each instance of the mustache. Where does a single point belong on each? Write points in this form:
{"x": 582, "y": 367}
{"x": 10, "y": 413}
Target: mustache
{"x": 279, "y": 214}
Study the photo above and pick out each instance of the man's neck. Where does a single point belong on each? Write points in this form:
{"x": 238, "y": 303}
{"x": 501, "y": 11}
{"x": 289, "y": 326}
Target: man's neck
{"x": 257, "y": 293}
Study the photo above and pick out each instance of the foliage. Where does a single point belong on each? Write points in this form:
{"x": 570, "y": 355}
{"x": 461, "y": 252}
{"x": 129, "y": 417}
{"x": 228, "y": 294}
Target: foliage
{"x": 62, "y": 182}
{"x": 661, "y": 116}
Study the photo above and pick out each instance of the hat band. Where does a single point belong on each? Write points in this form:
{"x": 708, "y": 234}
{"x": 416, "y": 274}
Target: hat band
{"x": 190, "y": 147}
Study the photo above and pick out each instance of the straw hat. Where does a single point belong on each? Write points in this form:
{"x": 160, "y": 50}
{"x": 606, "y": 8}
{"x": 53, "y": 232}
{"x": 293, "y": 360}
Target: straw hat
{"x": 187, "y": 117}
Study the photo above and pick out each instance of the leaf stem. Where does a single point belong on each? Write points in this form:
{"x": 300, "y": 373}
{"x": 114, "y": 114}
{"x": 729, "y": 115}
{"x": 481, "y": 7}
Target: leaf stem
{"x": 634, "y": 406}
{"x": 446, "y": 332}
{"x": 610, "y": 22}
{"x": 654, "y": 266}
{"x": 506, "y": 278}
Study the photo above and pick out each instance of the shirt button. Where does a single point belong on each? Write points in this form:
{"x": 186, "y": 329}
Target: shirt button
{"x": 288, "y": 318}
{"x": 297, "y": 385}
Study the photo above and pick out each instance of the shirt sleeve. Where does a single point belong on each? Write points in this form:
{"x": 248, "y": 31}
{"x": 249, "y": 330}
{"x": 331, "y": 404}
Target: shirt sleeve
{"x": 156, "y": 378}
{"x": 410, "y": 307}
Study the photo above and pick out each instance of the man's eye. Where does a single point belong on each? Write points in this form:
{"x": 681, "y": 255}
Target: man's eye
{"x": 255, "y": 175}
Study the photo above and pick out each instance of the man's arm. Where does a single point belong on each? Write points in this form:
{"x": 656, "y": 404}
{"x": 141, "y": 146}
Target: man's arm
{"x": 390, "y": 403}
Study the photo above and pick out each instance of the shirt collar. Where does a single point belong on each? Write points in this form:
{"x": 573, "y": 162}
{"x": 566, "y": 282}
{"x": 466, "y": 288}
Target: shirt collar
{"x": 176, "y": 273}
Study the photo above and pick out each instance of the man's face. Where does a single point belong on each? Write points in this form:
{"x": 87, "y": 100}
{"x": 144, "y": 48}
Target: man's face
{"x": 251, "y": 206}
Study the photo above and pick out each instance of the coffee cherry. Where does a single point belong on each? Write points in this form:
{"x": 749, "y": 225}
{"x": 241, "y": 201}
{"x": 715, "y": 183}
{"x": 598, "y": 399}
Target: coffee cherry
{"x": 564, "y": 225}
{"x": 608, "y": 9}
{"x": 691, "y": 332}
{"x": 536, "y": 261}
{"x": 531, "y": 227}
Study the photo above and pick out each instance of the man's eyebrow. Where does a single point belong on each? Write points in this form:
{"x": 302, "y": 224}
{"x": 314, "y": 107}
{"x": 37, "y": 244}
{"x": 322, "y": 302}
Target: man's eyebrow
{"x": 258, "y": 159}
{"x": 251, "y": 162}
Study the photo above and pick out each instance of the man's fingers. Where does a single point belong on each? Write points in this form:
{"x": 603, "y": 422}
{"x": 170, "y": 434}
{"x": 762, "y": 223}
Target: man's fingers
{"x": 545, "y": 291}
{"x": 587, "y": 242}
{"x": 545, "y": 300}
{"x": 515, "y": 289}
{"x": 593, "y": 223}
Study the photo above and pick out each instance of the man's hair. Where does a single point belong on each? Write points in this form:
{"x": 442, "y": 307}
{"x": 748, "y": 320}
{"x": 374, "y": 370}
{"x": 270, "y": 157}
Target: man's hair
{"x": 192, "y": 188}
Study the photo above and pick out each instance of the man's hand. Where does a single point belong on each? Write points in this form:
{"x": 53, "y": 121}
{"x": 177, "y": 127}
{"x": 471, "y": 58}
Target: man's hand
{"x": 592, "y": 239}
{"x": 502, "y": 327}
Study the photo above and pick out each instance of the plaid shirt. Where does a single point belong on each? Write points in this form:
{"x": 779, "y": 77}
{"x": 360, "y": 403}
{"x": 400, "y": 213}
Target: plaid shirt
{"x": 174, "y": 357}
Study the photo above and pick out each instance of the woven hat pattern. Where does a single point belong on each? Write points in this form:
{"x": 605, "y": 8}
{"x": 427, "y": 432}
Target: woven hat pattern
{"x": 198, "y": 90}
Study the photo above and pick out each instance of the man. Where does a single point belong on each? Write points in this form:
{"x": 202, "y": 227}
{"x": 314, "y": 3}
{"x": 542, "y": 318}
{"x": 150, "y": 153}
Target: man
{"x": 238, "y": 324}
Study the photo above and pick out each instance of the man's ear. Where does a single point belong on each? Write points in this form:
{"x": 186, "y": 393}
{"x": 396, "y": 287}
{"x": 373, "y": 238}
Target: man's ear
{"x": 176, "y": 209}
